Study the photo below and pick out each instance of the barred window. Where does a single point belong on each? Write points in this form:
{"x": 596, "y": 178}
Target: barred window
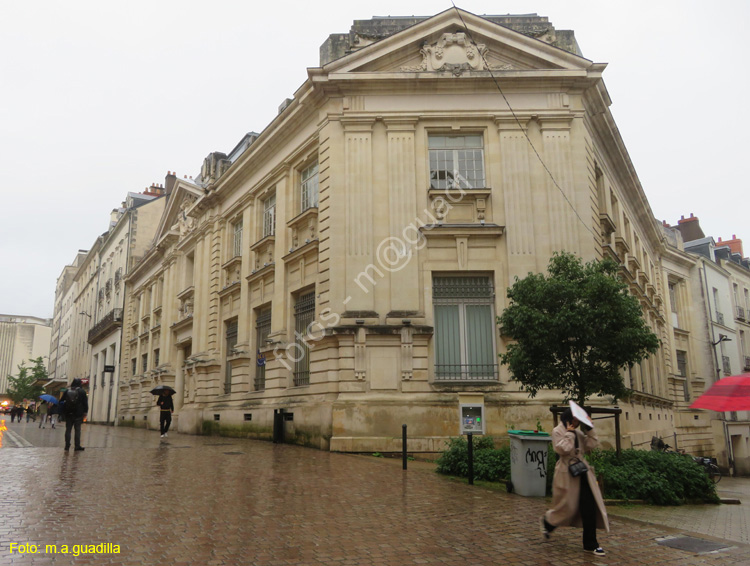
{"x": 456, "y": 162}
{"x": 309, "y": 187}
{"x": 231, "y": 342}
{"x": 304, "y": 314}
{"x": 269, "y": 216}
{"x": 464, "y": 329}
{"x": 262, "y": 330}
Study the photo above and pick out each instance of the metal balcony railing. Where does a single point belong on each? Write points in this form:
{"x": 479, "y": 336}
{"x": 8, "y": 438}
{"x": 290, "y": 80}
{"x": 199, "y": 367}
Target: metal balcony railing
{"x": 740, "y": 313}
{"x": 466, "y": 372}
{"x": 726, "y": 365}
{"x": 110, "y": 321}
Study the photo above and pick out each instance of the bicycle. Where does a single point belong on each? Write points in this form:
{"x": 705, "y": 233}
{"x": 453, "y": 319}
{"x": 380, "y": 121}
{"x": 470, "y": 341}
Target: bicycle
{"x": 708, "y": 464}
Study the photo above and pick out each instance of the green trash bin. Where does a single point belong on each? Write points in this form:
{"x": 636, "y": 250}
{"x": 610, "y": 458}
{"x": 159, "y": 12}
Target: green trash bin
{"x": 528, "y": 462}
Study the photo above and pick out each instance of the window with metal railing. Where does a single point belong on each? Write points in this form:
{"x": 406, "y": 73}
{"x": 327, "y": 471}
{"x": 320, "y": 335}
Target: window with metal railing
{"x": 269, "y": 216}
{"x": 304, "y": 314}
{"x": 237, "y": 239}
{"x": 726, "y": 365}
{"x": 464, "y": 329}
{"x": 682, "y": 363}
{"x": 309, "y": 187}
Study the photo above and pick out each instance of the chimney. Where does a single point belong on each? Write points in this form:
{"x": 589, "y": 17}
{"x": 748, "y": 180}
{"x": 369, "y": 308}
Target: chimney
{"x": 735, "y": 245}
{"x": 690, "y": 228}
{"x": 169, "y": 182}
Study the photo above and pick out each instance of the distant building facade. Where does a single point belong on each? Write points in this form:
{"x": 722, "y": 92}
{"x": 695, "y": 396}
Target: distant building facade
{"x": 66, "y": 292}
{"x": 131, "y": 233}
{"x": 22, "y": 339}
{"x": 721, "y": 283}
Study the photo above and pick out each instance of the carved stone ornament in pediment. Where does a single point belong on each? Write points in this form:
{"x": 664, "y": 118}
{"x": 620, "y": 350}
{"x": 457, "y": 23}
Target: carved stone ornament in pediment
{"x": 186, "y": 223}
{"x": 454, "y": 52}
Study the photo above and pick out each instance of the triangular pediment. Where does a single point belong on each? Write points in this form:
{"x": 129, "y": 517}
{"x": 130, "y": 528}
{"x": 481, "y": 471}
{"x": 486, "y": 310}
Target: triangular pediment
{"x": 176, "y": 218}
{"x": 457, "y": 41}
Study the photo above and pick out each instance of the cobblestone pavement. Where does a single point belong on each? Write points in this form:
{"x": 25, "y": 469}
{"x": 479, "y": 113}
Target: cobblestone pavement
{"x": 214, "y": 501}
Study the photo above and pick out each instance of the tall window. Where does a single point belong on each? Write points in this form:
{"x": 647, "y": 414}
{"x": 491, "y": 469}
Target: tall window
{"x": 156, "y": 357}
{"x": 231, "y": 342}
{"x": 269, "y": 216}
{"x": 464, "y": 329}
{"x": 144, "y": 362}
{"x": 673, "y": 304}
{"x": 681, "y": 363}
{"x": 262, "y": 330}
{"x": 719, "y": 314}
{"x": 456, "y": 162}
{"x": 304, "y": 314}
{"x": 237, "y": 240}
{"x": 309, "y": 187}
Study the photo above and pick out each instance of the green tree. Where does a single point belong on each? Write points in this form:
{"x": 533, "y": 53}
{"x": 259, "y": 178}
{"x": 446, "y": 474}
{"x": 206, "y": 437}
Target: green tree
{"x": 22, "y": 386}
{"x": 574, "y": 329}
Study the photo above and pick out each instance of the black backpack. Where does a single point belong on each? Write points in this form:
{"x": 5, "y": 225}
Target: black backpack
{"x": 71, "y": 400}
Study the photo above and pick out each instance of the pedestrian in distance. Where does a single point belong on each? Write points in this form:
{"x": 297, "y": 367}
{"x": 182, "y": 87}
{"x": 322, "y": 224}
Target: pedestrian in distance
{"x": 74, "y": 407}
{"x": 166, "y": 408}
{"x": 576, "y": 501}
{"x": 43, "y": 414}
{"x": 19, "y": 413}
{"x": 52, "y": 414}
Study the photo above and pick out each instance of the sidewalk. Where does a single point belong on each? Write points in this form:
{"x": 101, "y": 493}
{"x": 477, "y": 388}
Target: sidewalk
{"x": 728, "y": 522}
{"x": 222, "y": 501}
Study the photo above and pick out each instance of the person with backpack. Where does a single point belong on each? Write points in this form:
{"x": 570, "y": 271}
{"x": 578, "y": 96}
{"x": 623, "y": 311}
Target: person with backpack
{"x": 74, "y": 407}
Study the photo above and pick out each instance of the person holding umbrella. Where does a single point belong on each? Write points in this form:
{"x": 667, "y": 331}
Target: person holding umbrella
{"x": 166, "y": 407}
{"x": 576, "y": 499}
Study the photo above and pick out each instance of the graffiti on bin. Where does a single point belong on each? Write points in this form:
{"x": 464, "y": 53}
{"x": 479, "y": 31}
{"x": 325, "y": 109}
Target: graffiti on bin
{"x": 538, "y": 457}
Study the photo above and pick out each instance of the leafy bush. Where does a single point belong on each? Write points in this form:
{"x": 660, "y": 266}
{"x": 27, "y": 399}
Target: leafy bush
{"x": 655, "y": 477}
{"x": 489, "y": 463}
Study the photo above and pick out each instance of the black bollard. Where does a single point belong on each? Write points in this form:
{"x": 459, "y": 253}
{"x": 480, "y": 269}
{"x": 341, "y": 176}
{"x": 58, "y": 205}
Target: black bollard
{"x": 471, "y": 459}
{"x": 403, "y": 445}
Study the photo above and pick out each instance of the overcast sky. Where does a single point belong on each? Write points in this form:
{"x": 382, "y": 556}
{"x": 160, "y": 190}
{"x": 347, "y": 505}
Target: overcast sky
{"x": 99, "y": 98}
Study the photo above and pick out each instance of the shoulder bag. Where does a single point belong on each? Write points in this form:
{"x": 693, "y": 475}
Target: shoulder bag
{"x": 577, "y": 467}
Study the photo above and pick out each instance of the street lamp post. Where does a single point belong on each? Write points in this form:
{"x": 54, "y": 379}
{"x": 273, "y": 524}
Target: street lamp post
{"x": 727, "y": 437}
{"x": 722, "y": 338}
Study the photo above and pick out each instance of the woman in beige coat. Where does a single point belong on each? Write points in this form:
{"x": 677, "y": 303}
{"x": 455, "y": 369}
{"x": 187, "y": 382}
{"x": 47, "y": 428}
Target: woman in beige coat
{"x": 576, "y": 501}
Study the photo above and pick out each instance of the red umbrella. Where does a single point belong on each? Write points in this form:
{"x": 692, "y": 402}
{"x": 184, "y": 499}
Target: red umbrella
{"x": 728, "y": 394}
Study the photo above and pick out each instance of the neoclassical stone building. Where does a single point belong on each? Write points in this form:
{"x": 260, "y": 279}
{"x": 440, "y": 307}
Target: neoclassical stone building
{"x": 341, "y": 271}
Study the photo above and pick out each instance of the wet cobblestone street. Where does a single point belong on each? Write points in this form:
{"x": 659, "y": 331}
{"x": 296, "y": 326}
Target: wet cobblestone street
{"x": 215, "y": 501}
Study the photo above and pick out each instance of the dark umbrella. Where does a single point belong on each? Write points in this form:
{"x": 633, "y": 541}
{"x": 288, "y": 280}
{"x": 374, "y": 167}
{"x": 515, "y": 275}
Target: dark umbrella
{"x": 49, "y": 398}
{"x": 159, "y": 388}
{"x": 728, "y": 394}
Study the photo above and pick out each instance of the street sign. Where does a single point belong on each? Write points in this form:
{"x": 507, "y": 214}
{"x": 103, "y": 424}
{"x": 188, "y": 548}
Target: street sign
{"x": 109, "y": 369}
